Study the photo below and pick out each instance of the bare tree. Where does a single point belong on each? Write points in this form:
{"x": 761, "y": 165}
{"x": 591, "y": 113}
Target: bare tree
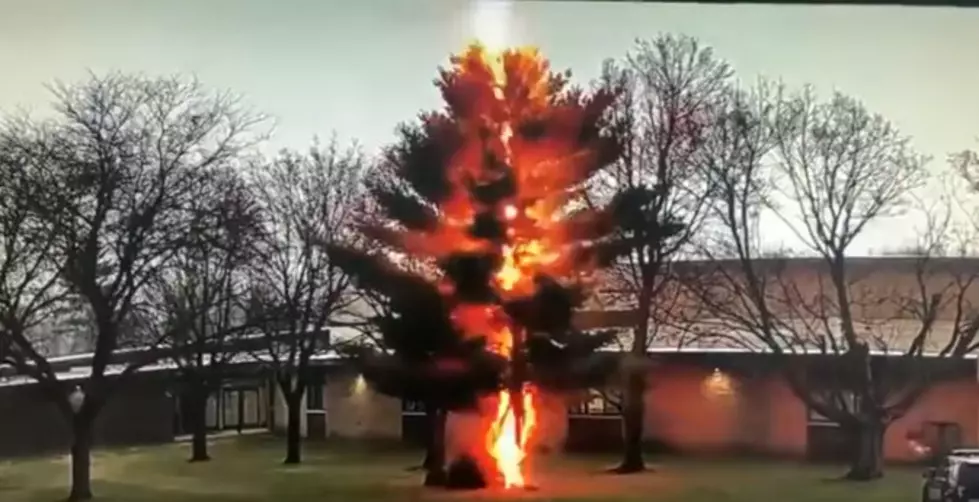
{"x": 308, "y": 201}
{"x": 110, "y": 180}
{"x": 668, "y": 89}
{"x": 32, "y": 299}
{"x": 827, "y": 169}
{"x": 201, "y": 294}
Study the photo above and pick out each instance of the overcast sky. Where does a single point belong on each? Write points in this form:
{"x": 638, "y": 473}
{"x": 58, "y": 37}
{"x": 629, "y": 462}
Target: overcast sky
{"x": 358, "y": 67}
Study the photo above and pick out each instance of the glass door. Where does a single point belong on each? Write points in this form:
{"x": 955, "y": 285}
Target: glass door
{"x": 230, "y": 409}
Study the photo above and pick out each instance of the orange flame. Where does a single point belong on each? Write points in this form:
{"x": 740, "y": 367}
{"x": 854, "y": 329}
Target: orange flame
{"x": 508, "y": 437}
{"x": 509, "y": 448}
{"x": 490, "y": 93}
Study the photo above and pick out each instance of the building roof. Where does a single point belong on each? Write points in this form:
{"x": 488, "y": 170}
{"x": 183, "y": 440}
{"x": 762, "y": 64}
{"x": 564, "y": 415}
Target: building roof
{"x": 84, "y": 371}
{"x": 890, "y": 261}
{"x": 78, "y": 366}
{"x": 889, "y": 333}
{"x": 891, "y": 337}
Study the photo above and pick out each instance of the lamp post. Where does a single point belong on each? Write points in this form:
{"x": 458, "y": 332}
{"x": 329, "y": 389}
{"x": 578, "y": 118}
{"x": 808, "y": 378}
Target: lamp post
{"x": 76, "y": 399}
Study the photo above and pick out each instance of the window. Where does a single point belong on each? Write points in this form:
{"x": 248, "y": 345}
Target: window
{"x": 314, "y": 397}
{"x": 411, "y": 407}
{"x": 229, "y": 409}
{"x": 598, "y": 403}
{"x": 211, "y": 412}
{"x": 250, "y": 407}
{"x": 321, "y": 340}
{"x": 941, "y": 437}
{"x": 967, "y": 476}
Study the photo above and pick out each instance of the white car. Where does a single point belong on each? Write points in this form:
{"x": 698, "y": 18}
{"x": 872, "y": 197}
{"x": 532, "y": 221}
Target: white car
{"x": 955, "y": 479}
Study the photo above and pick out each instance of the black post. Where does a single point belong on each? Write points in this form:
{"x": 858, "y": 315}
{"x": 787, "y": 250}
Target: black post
{"x": 241, "y": 410}
{"x": 270, "y": 412}
{"x": 81, "y": 458}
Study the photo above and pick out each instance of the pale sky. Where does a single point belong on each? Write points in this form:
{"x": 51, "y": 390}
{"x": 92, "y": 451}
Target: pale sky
{"x": 358, "y": 67}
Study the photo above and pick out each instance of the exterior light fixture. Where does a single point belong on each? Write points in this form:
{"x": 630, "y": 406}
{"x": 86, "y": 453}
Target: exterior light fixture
{"x": 360, "y": 385}
{"x": 76, "y": 399}
{"x": 718, "y": 384}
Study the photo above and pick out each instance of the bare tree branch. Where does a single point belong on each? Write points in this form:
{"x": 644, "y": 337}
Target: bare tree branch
{"x": 668, "y": 91}
{"x": 308, "y": 201}
{"x": 111, "y": 179}
{"x": 827, "y": 169}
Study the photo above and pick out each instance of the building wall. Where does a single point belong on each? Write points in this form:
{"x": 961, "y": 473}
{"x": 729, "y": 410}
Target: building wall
{"x": 682, "y": 413}
{"x": 356, "y": 411}
{"x": 690, "y": 409}
{"x": 951, "y": 402}
{"x": 352, "y": 410}
{"x": 703, "y": 410}
{"x": 280, "y": 412}
{"x": 140, "y": 412}
{"x": 696, "y": 410}
{"x": 787, "y": 419}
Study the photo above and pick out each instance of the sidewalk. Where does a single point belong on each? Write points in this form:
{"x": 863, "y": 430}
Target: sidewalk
{"x": 185, "y": 438}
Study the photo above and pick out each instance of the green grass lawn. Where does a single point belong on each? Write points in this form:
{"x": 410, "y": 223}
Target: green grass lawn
{"x": 249, "y": 469}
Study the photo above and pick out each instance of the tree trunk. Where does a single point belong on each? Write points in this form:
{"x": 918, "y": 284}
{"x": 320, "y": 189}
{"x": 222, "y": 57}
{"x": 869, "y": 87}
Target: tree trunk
{"x": 81, "y": 458}
{"x": 867, "y": 460}
{"x": 431, "y": 442}
{"x": 198, "y": 448}
{"x": 429, "y": 458}
{"x": 632, "y": 425}
{"x": 435, "y": 448}
{"x": 635, "y": 388}
{"x": 293, "y": 424}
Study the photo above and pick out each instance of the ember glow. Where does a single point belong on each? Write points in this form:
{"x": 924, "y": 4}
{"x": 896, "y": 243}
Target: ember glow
{"x": 522, "y": 255}
{"x": 508, "y": 436}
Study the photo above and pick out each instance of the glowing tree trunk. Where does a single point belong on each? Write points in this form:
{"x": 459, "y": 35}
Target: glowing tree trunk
{"x": 514, "y": 417}
{"x": 518, "y": 372}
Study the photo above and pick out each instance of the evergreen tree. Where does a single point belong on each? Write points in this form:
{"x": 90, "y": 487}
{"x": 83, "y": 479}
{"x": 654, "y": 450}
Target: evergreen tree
{"x": 486, "y": 198}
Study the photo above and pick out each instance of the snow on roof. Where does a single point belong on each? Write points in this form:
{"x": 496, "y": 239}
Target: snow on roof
{"x": 83, "y": 372}
{"x": 340, "y": 334}
{"x": 887, "y": 339}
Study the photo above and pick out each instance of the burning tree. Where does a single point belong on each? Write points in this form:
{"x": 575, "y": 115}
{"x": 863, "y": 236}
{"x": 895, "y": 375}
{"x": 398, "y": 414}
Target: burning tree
{"x": 399, "y": 311}
{"x": 488, "y": 194}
